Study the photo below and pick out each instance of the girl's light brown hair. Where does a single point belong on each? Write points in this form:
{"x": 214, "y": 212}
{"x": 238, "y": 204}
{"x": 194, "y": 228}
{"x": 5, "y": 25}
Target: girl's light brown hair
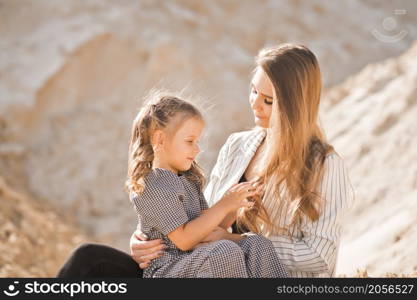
{"x": 160, "y": 111}
{"x": 295, "y": 145}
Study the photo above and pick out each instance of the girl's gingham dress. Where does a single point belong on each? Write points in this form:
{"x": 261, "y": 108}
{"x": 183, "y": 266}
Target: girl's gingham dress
{"x": 169, "y": 201}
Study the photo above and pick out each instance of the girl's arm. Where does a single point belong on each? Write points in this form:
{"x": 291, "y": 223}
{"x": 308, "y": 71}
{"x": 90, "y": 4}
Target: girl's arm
{"x": 232, "y": 216}
{"x": 220, "y": 234}
{"x": 228, "y": 220}
{"x": 188, "y": 235}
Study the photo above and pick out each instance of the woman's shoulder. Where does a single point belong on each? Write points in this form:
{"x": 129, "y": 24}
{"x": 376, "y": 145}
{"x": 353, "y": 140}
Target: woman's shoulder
{"x": 334, "y": 156}
{"x": 336, "y": 168}
{"x": 333, "y": 160}
{"x": 338, "y": 179}
{"x": 240, "y": 137}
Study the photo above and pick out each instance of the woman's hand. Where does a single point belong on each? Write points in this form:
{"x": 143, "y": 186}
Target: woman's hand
{"x": 143, "y": 251}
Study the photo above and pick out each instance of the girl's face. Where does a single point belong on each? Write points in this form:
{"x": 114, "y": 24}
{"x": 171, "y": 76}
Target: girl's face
{"x": 180, "y": 150}
{"x": 261, "y": 97}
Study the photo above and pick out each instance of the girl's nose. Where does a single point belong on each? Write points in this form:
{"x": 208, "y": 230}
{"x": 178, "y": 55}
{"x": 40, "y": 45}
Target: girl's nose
{"x": 197, "y": 148}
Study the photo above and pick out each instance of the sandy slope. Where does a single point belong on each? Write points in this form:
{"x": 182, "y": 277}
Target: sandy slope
{"x": 72, "y": 77}
{"x": 372, "y": 118}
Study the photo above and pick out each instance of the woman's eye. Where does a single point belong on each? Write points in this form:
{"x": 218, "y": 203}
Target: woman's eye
{"x": 267, "y": 102}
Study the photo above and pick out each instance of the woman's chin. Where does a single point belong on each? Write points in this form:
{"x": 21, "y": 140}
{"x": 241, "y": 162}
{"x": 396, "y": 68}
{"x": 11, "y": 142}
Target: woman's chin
{"x": 261, "y": 123}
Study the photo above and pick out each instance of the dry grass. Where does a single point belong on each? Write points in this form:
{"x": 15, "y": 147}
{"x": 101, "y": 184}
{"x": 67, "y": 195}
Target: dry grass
{"x": 34, "y": 239}
{"x": 364, "y": 274}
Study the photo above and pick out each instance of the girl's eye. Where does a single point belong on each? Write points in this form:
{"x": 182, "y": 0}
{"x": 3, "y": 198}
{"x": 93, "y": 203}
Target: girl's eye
{"x": 266, "y": 102}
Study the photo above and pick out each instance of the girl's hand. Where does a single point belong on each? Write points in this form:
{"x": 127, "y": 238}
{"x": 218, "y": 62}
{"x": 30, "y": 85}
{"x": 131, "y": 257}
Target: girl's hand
{"x": 236, "y": 196}
{"x": 143, "y": 251}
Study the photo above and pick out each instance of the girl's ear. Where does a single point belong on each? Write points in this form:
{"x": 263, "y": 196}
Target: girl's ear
{"x": 158, "y": 140}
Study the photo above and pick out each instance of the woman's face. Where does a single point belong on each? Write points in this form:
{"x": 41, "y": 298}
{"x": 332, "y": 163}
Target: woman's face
{"x": 261, "y": 97}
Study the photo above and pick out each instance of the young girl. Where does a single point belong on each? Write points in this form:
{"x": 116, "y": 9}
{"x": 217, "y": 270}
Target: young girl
{"x": 165, "y": 185}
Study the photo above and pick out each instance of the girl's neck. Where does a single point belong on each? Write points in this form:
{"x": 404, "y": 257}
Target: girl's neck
{"x": 159, "y": 165}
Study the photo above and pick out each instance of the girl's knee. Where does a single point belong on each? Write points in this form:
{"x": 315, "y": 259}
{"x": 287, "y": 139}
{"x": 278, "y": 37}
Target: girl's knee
{"x": 227, "y": 249}
{"x": 257, "y": 240}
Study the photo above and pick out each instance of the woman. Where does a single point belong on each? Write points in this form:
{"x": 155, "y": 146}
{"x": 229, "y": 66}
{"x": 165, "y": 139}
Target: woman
{"x": 305, "y": 182}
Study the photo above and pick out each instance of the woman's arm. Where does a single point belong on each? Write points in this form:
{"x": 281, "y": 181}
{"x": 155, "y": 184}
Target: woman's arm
{"x": 317, "y": 251}
{"x": 143, "y": 251}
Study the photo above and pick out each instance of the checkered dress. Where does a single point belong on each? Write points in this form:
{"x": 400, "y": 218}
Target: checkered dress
{"x": 169, "y": 201}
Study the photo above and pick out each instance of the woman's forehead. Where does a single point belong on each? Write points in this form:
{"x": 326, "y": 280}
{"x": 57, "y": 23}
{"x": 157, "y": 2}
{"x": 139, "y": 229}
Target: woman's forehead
{"x": 262, "y": 83}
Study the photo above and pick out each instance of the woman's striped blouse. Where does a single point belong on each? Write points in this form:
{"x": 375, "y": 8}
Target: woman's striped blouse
{"x": 311, "y": 249}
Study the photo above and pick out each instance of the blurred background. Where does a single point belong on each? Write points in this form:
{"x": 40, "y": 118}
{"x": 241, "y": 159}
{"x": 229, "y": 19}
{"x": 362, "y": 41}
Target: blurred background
{"x": 73, "y": 75}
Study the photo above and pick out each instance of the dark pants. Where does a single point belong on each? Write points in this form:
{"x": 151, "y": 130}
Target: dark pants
{"x": 96, "y": 260}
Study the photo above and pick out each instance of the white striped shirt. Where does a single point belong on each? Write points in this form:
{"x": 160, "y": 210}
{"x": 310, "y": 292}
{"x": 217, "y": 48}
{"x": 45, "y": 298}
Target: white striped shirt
{"x": 312, "y": 249}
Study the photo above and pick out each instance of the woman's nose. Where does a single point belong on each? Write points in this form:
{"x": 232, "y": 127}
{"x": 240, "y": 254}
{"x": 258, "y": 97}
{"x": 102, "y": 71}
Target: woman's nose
{"x": 256, "y": 102}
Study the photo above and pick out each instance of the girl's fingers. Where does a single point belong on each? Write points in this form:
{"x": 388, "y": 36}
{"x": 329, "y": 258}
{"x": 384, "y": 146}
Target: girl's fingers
{"x": 250, "y": 193}
{"x": 238, "y": 187}
{"x": 245, "y": 186}
{"x": 248, "y": 204}
{"x": 234, "y": 187}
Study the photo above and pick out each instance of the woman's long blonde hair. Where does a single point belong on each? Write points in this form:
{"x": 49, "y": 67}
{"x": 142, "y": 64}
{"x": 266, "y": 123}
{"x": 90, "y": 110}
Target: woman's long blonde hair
{"x": 160, "y": 111}
{"x": 295, "y": 145}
